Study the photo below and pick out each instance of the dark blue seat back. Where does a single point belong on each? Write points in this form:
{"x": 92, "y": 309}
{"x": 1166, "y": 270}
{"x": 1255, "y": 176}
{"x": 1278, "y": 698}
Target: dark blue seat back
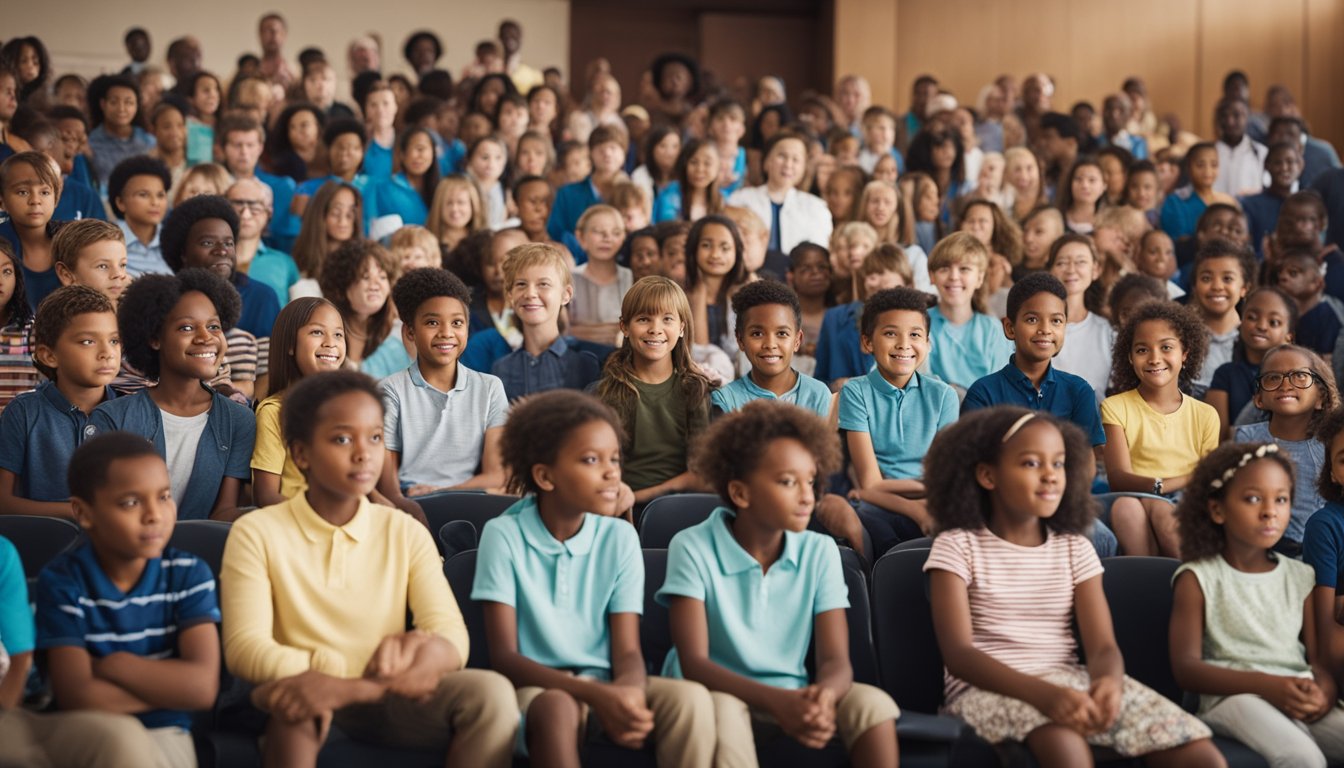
{"x": 666, "y": 516}
{"x": 38, "y": 539}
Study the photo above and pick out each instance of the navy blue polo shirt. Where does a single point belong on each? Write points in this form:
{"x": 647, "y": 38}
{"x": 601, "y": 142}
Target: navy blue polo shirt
{"x": 39, "y": 432}
{"x": 559, "y": 366}
{"x": 1062, "y": 394}
{"x": 260, "y": 306}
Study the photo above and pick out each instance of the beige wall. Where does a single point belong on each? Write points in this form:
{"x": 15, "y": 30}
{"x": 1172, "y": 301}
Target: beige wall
{"x": 86, "y": 36}
{"x": 1182, "y": 48}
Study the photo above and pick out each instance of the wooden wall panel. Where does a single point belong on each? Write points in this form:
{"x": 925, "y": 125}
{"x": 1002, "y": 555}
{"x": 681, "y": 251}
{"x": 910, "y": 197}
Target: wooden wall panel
{"x": 1264, "y": 40}
{"x": 747, "y": 47}
{"x": 1322, "y": 97}
{"x": 866, "y": 35}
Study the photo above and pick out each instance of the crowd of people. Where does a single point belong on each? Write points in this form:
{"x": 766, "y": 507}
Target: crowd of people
{"x": 303, "y": 307}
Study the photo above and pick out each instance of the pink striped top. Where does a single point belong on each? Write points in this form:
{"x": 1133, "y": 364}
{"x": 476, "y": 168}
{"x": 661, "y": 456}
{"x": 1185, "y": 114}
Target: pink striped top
{"x": 1021, "y": 598}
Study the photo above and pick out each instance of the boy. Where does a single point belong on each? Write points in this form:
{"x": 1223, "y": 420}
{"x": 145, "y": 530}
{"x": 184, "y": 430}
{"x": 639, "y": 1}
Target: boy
{"x": 769, "y": 333}
{"x": 443, "y": 419}
{"x": 319, "y": 587}
{"x": 672, "y": 249}
{"x": 538, "y": 285}
{"x": 1302, "y": 219}
{"x": 890, "y": 416}
{"x": 1283, "y": 166}
{"x": 966, "y": 341}
{"x": 634, "y": 205}
{"x": 533, "y": 196}
{"x": 138, "y": 192}
{"x": 606, "y": 147}
{"x": 840, "y": 352}
{"x": 344, "y": 141}
{"x": 91, "y": 252}
{"x": 879, "y": 138}
{"x": 645, "y": 259}
{"x": 727, "y": 125}
{"x": 128, "y": 624}
{"x": 1319, "y": 314}
{"x": 78, "y": 348}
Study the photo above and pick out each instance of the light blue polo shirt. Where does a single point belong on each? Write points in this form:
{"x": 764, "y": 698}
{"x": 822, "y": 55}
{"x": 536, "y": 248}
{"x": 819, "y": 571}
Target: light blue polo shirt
{"x": 807, "y": 393}
{"x": 901, "y": 422}
{"x": 760, "y": 624}
{"x": 963, "y": 354}
{"x": 440, "y": 435}
{"x": 563, "y": 591}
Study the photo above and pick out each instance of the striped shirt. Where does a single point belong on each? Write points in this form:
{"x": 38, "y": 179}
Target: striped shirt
{"x": 1021, "y": 598}
{"x": 17, "y": 374}
{"x": 78, "y": 605}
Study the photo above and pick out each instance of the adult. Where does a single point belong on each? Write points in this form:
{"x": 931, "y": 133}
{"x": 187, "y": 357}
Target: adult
{"x": 254, "y": 203}
{"x": 525, "y": 78}
{"x": 793, "y": 216}
{"x": 853, "y": 95}
{"x": 423, "y": 50}
{"x": 1116, "y": 112}
{"x": 184, "y": 57}
{"x": 1057, "y": 145}
{"x": 272, "y": 31}
{"x": 137, "y": 47}
{"x": 1241, "y": 159}
{"x": 363, "y": 55}
{"x": 921, "y": 93}
{"x": 1037, "y": 91}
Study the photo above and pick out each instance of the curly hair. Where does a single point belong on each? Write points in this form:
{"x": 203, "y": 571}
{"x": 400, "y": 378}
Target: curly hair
{"x": 420, "y": 285}
{"x": 298, "y": 419}
{"x": 342, "y": 270}
{"x": 909, "y": 299}
{"x": 732, "y": 447}
{"x": 416, "y": 37}
{"x": 277, "y": 140}
{"x": 1135, "y": 282}
{"x": 1218, "y": 248}
{"x": 957, "y": 500}
{"x": 57, "y": 310}
{"x": 1325, "y": 379}
{"x": 1194, "y": 337}
{"x": 149, "y": 298}
{"x": 135, "y": 165}
{"x": 184, "y": 216}
{"x": 16, "y": 311}
{"x": 1200, "y": 536}
{"x": 98, "y": 90}
{"x": 555, "y": 414}
{"x": 764, "y": 292}
{"x": 1327, "y": 430}
{"x": 1029, "y": 286}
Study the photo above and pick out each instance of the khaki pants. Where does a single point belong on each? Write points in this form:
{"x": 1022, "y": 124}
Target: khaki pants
{"x": 862, "y": 708}
{"x": 683, "y": 721}
{"x": 88, "y": 739}
{"x": 473, "y": 709}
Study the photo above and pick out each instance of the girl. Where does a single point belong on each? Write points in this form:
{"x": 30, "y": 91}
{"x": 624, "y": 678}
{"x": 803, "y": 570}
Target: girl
{"x": 792, "y": 216}
{"x": 990, "y": 183}
{"x": 535, "y": 155}
{"x": 206, "y": 97}
{"x": 841, "y": 193}
{"x": 809, "y": 275}
{"x": 380, "y": 119}
{"x": 661, "y": 397}
{"x": 1114, "y": 162}
{"x": 600, "y": 283}
{"x": 410, "y": 192}
{"x": 1001, "y": 236}
{"x": 750, "y": 589}
{"x": 114, "y": 113}
{"x": 330, "y": 221}
{"x": 1009, "y": 492}
{"x": 694, "y": 192}
{"x": 455, "y": 211}
{"x": 29, "y": 188}
{"x": 414, "y": 247}
{"x": 1298, "y": 390}
{"x": 1022, "y": 172}
{"x": 168, "y": 123}
{"x": 1080, "y": 195}
{"x": 16, "y": 329}
{"x": 295, "y": 142}
{"x": 1240, "y": 617}
{"x": 1041, "y": 228}
{"x": 204, "y": 179}
{"x": 1155, "y": 434}
{"x": 879, "y": 206}
{"x": 645, "y": 259}
{"x": 309, "y": 337}
{"x": 172, "y": 330}
{"x": 662, "y": 151}
{"x": 886, "y": 169}
{"x": 543, "y": 109}
{"x": 573, "y": 491}
{"x": 939, "y": 154}
{"x": 487, "y": 161}
{"x": 922, "y": 192}
{"x": 1270, "y": 320}
{"x": 356, "y": 279}
{"x": 1143, "y": 191}
{"x": 1222, "y": 272}
{"x": 1182, "y": 208}
{"x": 966, "y": 342}
{"x": 1073, "y": 259}
{"x": 1129, "y": 292}
{"x": 1323, "y": 540}
{"x": 850, "y": 245}
{"x": 714, "y": 272}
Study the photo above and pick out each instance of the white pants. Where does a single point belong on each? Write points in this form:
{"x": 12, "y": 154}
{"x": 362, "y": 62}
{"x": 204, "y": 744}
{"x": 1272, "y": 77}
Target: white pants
{"x": 1283, "y": 741}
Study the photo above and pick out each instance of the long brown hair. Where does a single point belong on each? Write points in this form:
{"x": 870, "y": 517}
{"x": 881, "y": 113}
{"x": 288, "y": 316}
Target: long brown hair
{"x": 285, "y": 338}
{"x": 311, "y": 246}
{"x": 342, "y": 270}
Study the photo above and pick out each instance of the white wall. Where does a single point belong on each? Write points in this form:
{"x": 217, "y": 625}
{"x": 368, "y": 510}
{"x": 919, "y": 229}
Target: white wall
{"x": 85, "y": 36}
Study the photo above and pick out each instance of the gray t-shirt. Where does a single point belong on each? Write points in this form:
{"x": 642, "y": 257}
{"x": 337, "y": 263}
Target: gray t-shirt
{"x": 181, "y": 436}
{"x": 593, "y": 303}
{"x": 440, "y": 435}
{"x": 1308, "y": 456}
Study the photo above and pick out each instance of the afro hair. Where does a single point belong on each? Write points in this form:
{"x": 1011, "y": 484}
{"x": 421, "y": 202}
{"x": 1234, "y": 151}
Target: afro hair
{"x": 1030, "y": 285}
{"x": 1201, "y": 537}
{"x": 732, "y": 447}
{"x": 420, "y": 285}
{"x": 135, "y": 165}
{"x": 909, "y": 299}
{"x": 173, "y": 235}
{"x": 762, "y": 292}
{"x": 1193, "y": 335}
{"x": 148, "y": 300}
{"x": 555, "y": 414}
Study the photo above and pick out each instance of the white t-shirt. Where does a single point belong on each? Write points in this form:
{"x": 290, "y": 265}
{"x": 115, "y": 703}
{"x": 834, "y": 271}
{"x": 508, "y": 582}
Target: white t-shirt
{"x": 1087, "y": 352}
{"x": 181, "y": 436}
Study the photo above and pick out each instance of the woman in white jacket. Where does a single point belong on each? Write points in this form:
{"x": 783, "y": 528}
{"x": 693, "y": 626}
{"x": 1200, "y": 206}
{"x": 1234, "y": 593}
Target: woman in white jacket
{"x": 793, "y": 216}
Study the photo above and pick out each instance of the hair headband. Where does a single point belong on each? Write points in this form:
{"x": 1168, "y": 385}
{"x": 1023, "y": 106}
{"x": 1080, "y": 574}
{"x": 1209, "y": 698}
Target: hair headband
{"x": 1246, "y": 458}
{"x": 1017, "y": 425}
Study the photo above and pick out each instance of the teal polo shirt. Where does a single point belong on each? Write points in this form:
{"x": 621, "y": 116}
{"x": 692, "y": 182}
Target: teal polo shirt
{"x": 760, "y": 624}
{"x": 962, "y": 354}
{"x": 807, "y": 393}
{"x": 901, "y": 422}
{"x": 562, "y": 591}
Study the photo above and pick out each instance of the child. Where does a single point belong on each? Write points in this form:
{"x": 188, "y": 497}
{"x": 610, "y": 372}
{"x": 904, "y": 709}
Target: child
{"x": 769, "y": 333}
{"x": 30, "y": 185}
{"x": 633, "y": 203}
{"x": 539, "y": 286}
{"x": 332, "y": 219}
{"x": 600, "y": 283}
{"x": 1283, "y": 166}
{"x": 357, "y": 278}
{"x": 840, "y": 353}
{"x": 1240, "y": 616}
{"x": 926, "y": 204}
{"x": 1270, "y": 320}
{"x": 344, "y": 140}
{"x": 1182, "y": 208}
{"x": 809, "y": 275}
{"x": 78, "y": 349}
{"x": 413, "y": 247}
{"x": 1073, "y": 259}
{"x": 443, "y": 419}
{"x": 1009, "y": 491}
{"x": 455, "y": 212}
{"x": 114, "y": 106}
{"x": 138, "y": 193}
{"x": 1042, "y": 227}
{"x": 17, "y": 373}
{"x": 742, "y": 622}
{"x": 1297, "y": 389}
{"x": 1003, "y": 238}
{"x": 965, "y": 342}
{"x": 714, "y": 272}
{"x": 662, "y": 146}
{"x": 672, "y": 250}
{"x": 727, "y": 126}
{"x": 1143, "y": 190}
{"x": 1157, "y": 258}
{"x": 645, "y": 259}
{"x": 851, "y": 243}
{"x": 92, "y": 253}
{"x": 879, "y": 138}
{"x": 841, "y": 193}
{"x": 1081, "y": 194}
{"x": 309, "y": 338}
{"x": 319, "y": 588}
{"x": 890, "y": 416}
{"x": 410, "y": 192}
{"x": 203, "y": 179}
{"x": 533, "y": 196}
{"x": 1222, "y": 271}
{"x": 128, "y": 624}
{"x": 1155, "y": 434}
{"x": 660, "y": 395}
{"x": 486, "y": 165}
{"x": 172, "y": 329}
{"x": 757, "y": 261}
{"x": 563, "y": 537}
{"x": 694, "y": 191}
{"x": 1323, "y": 539}
{"x": 1128, "y": 293}
{"x": 535, "y": 156}
{"x": 1299, "y": 275}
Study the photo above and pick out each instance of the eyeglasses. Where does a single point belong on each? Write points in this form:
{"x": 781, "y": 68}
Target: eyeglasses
{"x": 1300, "y": 379}
{"x": 254, "y": 207}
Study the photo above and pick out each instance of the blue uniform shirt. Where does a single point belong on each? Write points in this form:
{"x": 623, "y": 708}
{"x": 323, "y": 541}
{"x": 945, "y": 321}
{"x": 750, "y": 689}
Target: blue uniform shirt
{"x": 900, "y": 422}
{"x": 39, "y": 432}
{"x": 1062, "y": 394}
{"x": 807, "y": 393}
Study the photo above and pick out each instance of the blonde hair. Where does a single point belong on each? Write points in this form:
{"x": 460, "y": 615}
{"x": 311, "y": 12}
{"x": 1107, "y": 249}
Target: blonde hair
{"x": 852, "y": 229}
{"x": 963, "y": 248}
{"x": 627, "y": 194}
{"x": 529, "y": 255}
{"x": 593, "y": 212}
{"x": 1129, "y": 220}
{"x": 435, "y": 223}
{"x": 412, "y": 236}
{"x": 213, "y": 174}
{"x": 893, "y": 232}
{"x": 748, "y": 223}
